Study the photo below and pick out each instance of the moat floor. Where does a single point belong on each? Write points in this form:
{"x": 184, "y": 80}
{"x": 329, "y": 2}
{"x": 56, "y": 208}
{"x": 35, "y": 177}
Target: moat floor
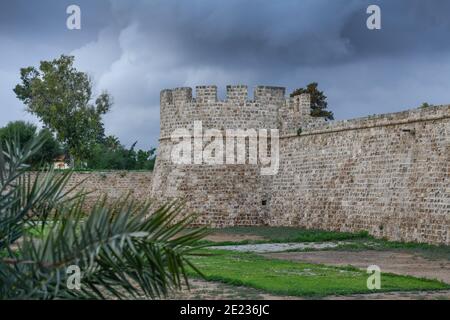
{"x": 402, "y": 263}
{"x": 434, "y": 264}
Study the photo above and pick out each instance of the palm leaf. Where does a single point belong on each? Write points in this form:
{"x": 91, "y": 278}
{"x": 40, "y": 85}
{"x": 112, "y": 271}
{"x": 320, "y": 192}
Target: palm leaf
{"x": 124, "y": 249}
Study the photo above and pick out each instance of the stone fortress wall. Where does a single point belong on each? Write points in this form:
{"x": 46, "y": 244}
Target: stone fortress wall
{"x": 113, "y": 184}
{"x": 387, "y": 174}
{"x": 224, "y": 195}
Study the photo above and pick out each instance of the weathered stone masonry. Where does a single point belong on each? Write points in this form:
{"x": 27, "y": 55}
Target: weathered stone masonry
{"x": 387, "y": 174}
{"x": 113, "y": 184}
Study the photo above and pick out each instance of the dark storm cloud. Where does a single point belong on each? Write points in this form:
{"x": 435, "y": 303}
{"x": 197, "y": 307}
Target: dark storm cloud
{"x": 45, "y": 20}
{"x": 412, "y": 27}
{"x": 250, "y": 34}
{"x": 134, "y": 49}
{"x": 237, "y": 33}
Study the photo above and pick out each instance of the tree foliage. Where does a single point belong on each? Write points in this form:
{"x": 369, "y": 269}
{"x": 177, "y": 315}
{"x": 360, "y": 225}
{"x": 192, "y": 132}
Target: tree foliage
{"x": 61, "y": 97}
{"x": 112, "y": 155}
{"x": 425, "y": 105}
{"x": 319, "y": 102}
{"x": 24, "y": 132}
{"x": 121, "y": 250}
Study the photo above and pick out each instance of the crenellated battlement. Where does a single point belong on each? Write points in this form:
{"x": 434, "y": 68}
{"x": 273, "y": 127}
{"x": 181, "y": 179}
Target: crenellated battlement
{"x": 166, "y": 97}
{"x": 237, "y": 94}
{"x": 266, "y": 94}
{"x": 206, "y": 94}
{"x": 234, "y": 94}
{"x": 180, "y": 95}
{"x": 269, "y": 108}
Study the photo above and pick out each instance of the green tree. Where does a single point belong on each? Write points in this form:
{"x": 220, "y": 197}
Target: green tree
{"x": 61, "y": 96}
{"x": 112, "y": 142}
{"x": 112, "y": 155}
{"x": 319, "y": 102}
{"x": 23, "y": 132}
{"x": 120, "y": 249}
{"x": 146, "y": 159}
{"x": 425, "y": 105}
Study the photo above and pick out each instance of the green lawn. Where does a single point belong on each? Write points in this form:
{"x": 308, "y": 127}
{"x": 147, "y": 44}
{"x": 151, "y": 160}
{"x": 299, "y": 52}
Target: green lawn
{"x": 432, "y": 252}
{"x": 299, "y": 279}
{"x": 287, "y": 234}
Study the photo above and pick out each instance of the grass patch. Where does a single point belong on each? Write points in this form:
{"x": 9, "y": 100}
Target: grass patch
{"x": 38, "y": 231}
{"x": 428, "y": 251}
{"x": 357, "y": 241}
{"x": 299, "y": 279}
{"x": 285, "y": 234}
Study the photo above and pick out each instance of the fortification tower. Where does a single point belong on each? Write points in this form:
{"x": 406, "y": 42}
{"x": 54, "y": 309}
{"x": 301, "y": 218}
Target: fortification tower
{"x": 386, "y": 174}
{"x": 222, "y": 194}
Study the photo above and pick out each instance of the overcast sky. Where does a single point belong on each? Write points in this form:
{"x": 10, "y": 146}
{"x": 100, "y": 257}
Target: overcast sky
{"x": 133, "y": 49}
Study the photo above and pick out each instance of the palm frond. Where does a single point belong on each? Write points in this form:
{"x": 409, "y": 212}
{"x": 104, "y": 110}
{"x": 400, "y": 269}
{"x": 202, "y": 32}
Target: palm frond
{"x": 122, "y": 248}
{"x": 122, "y": 254}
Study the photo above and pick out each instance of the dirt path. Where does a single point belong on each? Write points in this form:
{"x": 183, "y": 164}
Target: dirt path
{"x": 433, "y": 295}
{"x": 209, "y": 290}
{"x": 277, "y": 247}
{"x": 203, "y": 290}
{"x": 225, "y": 237}
{"x": 389, "y": 261}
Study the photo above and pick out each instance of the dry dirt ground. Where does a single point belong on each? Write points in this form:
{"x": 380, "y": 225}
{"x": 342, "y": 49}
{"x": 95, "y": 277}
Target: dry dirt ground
{"x": 224, "y": 237}
{"x": 202, "y": 290}
{"x": 207, "y": 290}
